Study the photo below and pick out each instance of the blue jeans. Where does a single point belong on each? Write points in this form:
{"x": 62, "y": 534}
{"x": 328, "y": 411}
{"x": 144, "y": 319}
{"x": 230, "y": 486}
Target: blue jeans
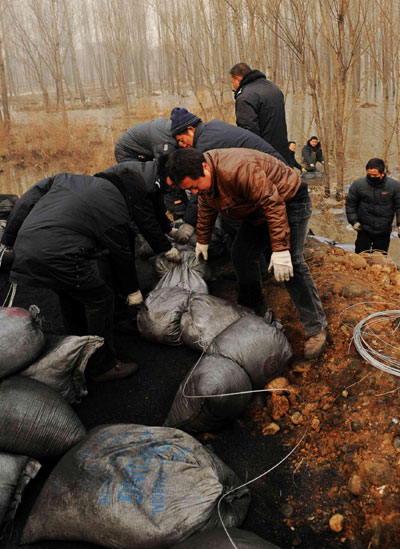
{"x": 252, "y": 241}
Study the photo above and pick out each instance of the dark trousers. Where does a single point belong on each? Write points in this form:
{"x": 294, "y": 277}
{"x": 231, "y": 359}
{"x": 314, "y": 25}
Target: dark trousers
{"x": 365, "y": 241}
{"x": 90, "y": 312}
{"x": 252, "y": 241}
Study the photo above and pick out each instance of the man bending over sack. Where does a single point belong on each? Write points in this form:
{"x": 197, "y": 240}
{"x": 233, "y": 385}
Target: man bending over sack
{"x": 62, "y": 225}
{"x": 274, "y": 207}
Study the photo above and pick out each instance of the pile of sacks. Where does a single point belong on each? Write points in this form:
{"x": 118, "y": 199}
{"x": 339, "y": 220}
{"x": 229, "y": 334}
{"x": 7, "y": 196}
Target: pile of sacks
{"x": 38, "y": 377}
{"x": 241, "y": 351}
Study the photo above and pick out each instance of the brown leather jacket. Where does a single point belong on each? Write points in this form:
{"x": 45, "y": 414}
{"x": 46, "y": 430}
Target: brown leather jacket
{"x": 248, "y": 184}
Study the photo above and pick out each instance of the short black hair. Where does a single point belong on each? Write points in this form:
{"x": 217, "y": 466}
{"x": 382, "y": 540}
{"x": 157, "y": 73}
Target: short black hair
{"x": 291, "y": 142}
{"x": 240, "y": 69}
{"x": 376, "y": 164}
{"x": 185, "y": 163}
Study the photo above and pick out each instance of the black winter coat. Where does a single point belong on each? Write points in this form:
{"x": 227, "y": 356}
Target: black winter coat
{"x": 260, "y": 108}
{"x": 152, "y": 139}
{"x": 63, "y": 223}
{"x": 311, "y": 155}
{"x": 374, "y": 204}
{"x": 221, "y": 135}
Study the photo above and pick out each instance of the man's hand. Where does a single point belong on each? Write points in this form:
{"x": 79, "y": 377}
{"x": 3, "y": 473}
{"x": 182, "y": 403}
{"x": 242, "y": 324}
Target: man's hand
{"x": 281, "y": 263}
{"x": 303, "y": 170}
{"x": 201, "y": 250}
{"x": 184, "y": 233}
{"x": 135, "y": 298}
{"x": 173, "y": 255}
{"x": 357, "y": 226}
{"x": 173, "y": 233}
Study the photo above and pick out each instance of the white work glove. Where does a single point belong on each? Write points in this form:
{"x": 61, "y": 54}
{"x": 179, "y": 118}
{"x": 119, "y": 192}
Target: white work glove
{"x": 185, "y": 231}
{"x": 357, "y": 226}
{"x": 281, "y": 263}
{"x": 135, "y": 299}
{"x": 173, "y": 255}
{"x": 173, "y": 233}
{"x": 311, "y": 165}
{"x": 201, "y": 250}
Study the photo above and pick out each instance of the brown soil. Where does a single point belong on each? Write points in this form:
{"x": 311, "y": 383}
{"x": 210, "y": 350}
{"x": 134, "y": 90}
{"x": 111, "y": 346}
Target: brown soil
{"x": 350, "y": 456}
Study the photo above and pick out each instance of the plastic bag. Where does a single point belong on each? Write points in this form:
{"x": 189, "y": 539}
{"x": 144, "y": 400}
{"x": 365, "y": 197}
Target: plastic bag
{"x": 159, "y": 317}
{"x": 62, "y": 364}
{"x": 260, "y": 347}
{"x": 21, "y": 339}
{"x": 212, "y": 375}
{"x": 35, "y": 421}
{"x": 15, "y": 473}
{"x": 206, "y": 317}
{"x": 135, "y": 487}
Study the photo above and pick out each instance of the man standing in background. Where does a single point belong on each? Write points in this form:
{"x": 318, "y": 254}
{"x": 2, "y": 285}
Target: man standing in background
{"x": 260, "y": 107}
{"x": 370, "y": 207}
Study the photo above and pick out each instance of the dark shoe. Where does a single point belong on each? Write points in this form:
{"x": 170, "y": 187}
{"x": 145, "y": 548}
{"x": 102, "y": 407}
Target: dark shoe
{"x": 120, "y": 371}
{"x": 315, "y": 345}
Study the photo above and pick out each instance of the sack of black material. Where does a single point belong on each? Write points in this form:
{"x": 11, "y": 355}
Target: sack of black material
{"x": 135, "y": 487}
{"x": 15, "y": 473}
{"x": 159, "y": 317}
{"x": 62, "y": 364}
{"x": 21, "y": 339}
{"x": 260, "y": 347}
{"x": 206, "y": 317}
{"x": 217, "y": 539}
{"x": 35, "y": 421}
{"x": 212, "y": 375}
{"x": 188, "y": 274}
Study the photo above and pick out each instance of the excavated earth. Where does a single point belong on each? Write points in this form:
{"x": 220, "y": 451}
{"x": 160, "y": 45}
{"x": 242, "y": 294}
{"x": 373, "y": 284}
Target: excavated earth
{"x": 340, "y": 487}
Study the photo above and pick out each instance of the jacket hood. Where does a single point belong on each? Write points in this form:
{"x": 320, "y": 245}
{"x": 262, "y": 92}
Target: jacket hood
{"x": 248, "y": 78}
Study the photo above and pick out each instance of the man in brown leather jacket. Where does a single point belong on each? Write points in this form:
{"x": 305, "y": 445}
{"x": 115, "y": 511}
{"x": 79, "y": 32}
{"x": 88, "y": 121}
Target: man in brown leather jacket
{"x": 274, "y": 207}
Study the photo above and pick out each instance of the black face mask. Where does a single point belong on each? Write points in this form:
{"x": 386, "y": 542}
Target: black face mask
{"x": 373, "y": 179}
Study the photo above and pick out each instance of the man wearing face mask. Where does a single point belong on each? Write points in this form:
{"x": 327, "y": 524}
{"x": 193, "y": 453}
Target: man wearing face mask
{"x": 370, "y": 207}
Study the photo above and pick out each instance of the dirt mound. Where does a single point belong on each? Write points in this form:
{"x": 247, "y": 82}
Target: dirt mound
{"x": 346, "y": 472}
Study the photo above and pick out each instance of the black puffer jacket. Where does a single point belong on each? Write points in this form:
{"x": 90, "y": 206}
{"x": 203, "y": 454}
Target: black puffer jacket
{"x": 311, "y": 155}
{"x": 374, "y": 204}
{"x": 260, "y": 108}
{"x": 221, "y": 135}
{"x": 150, "y": 139}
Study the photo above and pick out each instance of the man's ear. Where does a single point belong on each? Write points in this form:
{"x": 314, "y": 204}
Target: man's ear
{"x": 206, "y": 168}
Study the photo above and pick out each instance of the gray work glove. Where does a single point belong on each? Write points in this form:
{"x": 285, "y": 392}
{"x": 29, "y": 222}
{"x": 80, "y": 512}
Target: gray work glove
{"x": 184, "y": 233}
{"x": 173, "y": 255}
{"x": 135, "y": 298}
{"x": 281, "y": 264}
{"x": 357, "y": 226}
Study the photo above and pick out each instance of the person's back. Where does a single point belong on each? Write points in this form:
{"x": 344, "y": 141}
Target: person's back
{"x": 145, "y": 141}
{"x": 221, "y": 135}
{"x": 260, "y": 107}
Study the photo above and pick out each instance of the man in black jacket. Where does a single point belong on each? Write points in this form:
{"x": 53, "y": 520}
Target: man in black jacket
{"x": 292, "y": 156}
{"x": 370, "y": 207}
{"x": 189, "y": 131}
{"x": 311, "y": 154}
{"x": 260, "y": 107}
{"x": 147, "y": 141}
{"x": 63, "y": 224}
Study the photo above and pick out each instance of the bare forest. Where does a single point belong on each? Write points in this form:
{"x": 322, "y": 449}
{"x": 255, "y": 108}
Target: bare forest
{"x": 334, "y": 60}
